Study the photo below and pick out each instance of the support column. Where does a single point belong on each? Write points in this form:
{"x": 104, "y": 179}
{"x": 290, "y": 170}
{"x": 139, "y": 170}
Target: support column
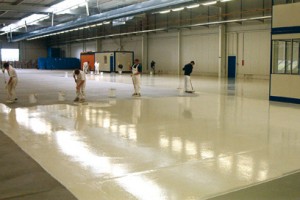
{"x": 179, "y": 53}
{"x": 179, "y": 61}
{"x": 222, "y": 46}
{"x": 222, "y": 51}
{"x": 145, "y": 52}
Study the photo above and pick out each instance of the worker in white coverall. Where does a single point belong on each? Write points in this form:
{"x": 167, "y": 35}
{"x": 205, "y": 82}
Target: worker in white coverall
{"x": 97, "y": 67}
{"x": 79, "y": 77}
{"x": 136, "y": 70}
{"x": 86, "y": 67}
{"x": 188, "y": 69}
{"x": 12, "y": 82}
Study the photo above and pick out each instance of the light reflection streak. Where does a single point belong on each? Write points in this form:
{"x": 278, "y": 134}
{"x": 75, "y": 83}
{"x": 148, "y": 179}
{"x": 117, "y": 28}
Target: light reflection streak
{"x": 245, "y": 166}
{"x": 164, "y": 141}
{"x": 71, "y": 145}
{"x": 205, "y": 151}
{"x": 4, "y": 109}
{"x": 142, "y": 187}
{"x": 190, "y": 148}
{"x": 225, "y": 164}
{"x": 106, "y": 122}
{"x": 263, "y": 173}
{"x": 33, "y": 121}
{"x": 177, "y": 144}
{"x": 138, "y": 185}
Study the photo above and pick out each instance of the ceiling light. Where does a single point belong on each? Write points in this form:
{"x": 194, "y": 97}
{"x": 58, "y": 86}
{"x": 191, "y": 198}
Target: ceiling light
{"x": 165, "y": 11}
{"x": 209, "y": 3}
{"x": 108, "y": 22}
{"x": 178, "y": 9}
{"x": 75, "y": 7}
{"x": 193, "y": 6}
{"x": 94, "y": 25}
{"x": 100, "y": 24}
{"x": 225, "y": 0}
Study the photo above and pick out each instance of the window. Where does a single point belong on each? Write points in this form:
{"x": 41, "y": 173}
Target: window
{"x": 296, "y": 57}
{"x": 10, "y": 54}
{"x": 286, "y": 56}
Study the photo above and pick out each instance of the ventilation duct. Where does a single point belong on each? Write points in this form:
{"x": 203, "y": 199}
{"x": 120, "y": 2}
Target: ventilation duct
{"x": 127, "y": 11}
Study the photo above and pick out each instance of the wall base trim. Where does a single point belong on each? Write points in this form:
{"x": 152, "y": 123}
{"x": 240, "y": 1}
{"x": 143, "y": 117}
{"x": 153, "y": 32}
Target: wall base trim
{"x": 284, "y": 99}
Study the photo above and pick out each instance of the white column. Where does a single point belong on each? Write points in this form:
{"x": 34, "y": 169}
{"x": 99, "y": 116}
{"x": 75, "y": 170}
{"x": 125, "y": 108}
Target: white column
{"x": 179, "y": 52}
{"x": 222, "y": 46}
{"x": 222, "y": 51}
{"x": 179, "y": 55}
{"x": 145, "y": 52}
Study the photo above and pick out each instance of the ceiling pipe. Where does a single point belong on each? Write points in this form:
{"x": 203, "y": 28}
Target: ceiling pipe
{"x": 131, "y": 10}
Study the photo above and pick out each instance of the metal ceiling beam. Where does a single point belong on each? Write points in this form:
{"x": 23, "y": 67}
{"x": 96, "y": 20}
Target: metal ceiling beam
{"x": 23, "y": 8}
{"x": 173, "y": 28}
{"x": 17, "y": 2}
{"x": 131, "y": 10}
{"x": 9, "y": 19}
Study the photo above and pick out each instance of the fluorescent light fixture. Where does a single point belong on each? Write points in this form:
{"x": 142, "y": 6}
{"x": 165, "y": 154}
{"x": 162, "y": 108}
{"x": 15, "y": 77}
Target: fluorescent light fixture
{"x": 59, "y": 8}
{"x": 209, "y": 3}
{"x": 108, "y": 22}
{"x": 225, "y": 0}
{"x": 75, "y": 7}
{"x": 118, "y": 23}
{"x": 93, "y": 25}
{"x": 193, "y": 6}
{"x": 100, "y": 24}
{"x": 165, "y": 11}
{"x": 86, "y": 27}
{"x": 178, "y": 9}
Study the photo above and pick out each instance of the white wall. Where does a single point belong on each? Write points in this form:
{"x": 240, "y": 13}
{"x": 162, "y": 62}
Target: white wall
{"x": 286, "y": 15}
{"x": 29, "y": 50}
{"x": 202, "y": 46}
{"x": 131, "y": 43}
{"x": 90, "y": 46}
{"x": 76, "y": 49}
{"x": 249, "y": 42}
{"x": 163, "y": 49}
{"x": 32, "y": 50}
{"x": 285, "y": 85}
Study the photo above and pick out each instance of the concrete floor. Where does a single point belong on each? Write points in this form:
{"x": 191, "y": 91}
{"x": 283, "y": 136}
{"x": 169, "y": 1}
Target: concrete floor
{"x": 165, "y": 145}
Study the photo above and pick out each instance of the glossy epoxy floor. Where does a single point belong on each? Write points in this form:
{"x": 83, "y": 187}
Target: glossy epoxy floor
{"x": 165, "y": 145}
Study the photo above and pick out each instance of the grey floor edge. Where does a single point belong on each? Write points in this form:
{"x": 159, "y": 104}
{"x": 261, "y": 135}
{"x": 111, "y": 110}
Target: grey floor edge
{"x": 285, "y": 188}
{"x": 21, "y": 178}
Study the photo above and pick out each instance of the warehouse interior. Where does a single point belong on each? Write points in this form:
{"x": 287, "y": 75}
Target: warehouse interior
{"x": 236, "y": 137}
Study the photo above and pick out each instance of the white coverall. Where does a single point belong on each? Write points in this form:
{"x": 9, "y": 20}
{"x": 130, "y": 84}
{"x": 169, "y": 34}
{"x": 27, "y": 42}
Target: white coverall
{"x": 136, "y": 79}
{"x": 86, "y": 67}
{"x": 97, "y": 67}
{"x": 80, "y": 91}
{"x": 12, "y": 83}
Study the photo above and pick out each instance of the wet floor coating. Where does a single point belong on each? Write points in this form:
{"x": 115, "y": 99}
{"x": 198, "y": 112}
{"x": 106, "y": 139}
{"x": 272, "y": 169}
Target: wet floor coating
{"x": 160, "y": 148}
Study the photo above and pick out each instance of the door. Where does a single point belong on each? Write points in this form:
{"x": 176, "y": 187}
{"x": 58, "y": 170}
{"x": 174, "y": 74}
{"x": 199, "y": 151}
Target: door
{"x": 231, "y": 66}
{"x": 112, "y": 63}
